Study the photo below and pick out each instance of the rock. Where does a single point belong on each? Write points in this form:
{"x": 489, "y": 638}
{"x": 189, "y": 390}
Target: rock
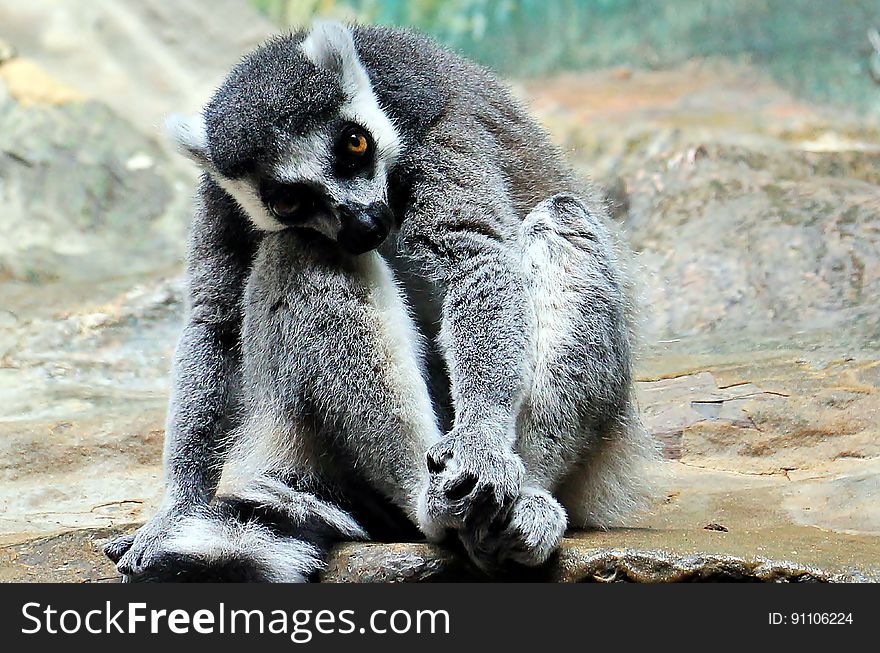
{"x": 93, "y": 223}
{"x": 29, "y": 84}
{"x": 748, "y": 208}
{"x": 77, "y": 557}
{"x": 73, "y": 557}
{"x": 73, "y": 210}
{"x": 625, "y": 566}
{"x": 7, "y": 51}
{"x": 83, "y": 411}
{"x": 143, "y": 58}
{"x": 763, "y": 414}
{"x": 395, "y": 563}
{"x": 400, "y": 563}
{"x": 788, "y": 238}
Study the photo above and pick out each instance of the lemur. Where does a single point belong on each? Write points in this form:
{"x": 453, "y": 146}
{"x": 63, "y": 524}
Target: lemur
{"x": 407, "y": 318}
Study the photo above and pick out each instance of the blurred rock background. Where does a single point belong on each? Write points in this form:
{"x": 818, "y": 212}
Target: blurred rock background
{"x": 738, "y": 144}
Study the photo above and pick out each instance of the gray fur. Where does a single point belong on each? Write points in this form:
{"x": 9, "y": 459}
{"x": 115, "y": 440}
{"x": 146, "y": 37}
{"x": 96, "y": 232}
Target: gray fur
{"x": 489, "y": 335}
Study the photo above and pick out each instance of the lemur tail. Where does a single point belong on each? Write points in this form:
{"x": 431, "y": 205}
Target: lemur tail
{"x": 265, "y": 532}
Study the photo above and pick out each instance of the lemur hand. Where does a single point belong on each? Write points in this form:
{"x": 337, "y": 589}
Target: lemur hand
{"x": 474, "y": 475}
{"x": 527, "y": 533}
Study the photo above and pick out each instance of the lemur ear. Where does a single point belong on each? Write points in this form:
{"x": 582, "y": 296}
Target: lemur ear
{"x": 189, "y": 136}
{"x": 329, "y": 45}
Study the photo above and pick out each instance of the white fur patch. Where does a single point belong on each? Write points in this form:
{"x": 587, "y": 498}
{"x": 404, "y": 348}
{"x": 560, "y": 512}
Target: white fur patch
{"x": 330, "y": 45}
{"x": 285, "y": 560}
{"x": 249, "y": 200}
{"x": 189, "y": 136}
{"x": 299, "y": 506}
{"x": 550, "y": 293}
{"x": 306, "y": 159}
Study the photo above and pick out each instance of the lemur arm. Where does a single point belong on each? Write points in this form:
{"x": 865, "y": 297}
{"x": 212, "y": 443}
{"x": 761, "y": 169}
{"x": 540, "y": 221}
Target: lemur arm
{"x": 204, "y": 376}
{"x": 461, "y": 227}
{"x": 208, "y": 356}
{"x": 205, "y": 361}
{"x": 484, "y": 326}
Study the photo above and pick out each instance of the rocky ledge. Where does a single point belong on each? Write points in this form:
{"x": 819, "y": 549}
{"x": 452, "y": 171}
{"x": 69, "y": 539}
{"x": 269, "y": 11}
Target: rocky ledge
{"x": 77, "y": 557}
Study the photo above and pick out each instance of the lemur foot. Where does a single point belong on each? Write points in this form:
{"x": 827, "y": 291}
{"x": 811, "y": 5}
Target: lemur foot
{"x": 472, "y": 479}
{"x": 527, "y": 534}
{"x": 136, "y": 552}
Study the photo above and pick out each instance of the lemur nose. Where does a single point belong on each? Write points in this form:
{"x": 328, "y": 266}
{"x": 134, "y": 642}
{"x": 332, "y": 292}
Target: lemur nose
{"x": 364, "y": 227}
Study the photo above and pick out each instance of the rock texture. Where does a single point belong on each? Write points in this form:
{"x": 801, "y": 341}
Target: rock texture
{"x": 144, "y": 59}
{"x": 76, "y": 557}
{"x": 756, "y": 221}
{"x": 750, "y": 209}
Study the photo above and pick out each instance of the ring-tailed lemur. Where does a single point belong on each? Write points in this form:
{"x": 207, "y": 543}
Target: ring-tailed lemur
{"x": 406, "y": 317}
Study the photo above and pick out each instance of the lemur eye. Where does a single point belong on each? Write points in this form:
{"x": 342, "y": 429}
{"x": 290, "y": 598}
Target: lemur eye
{"x": 357, "y": 144}
{"x": 285, "y": 205}
{"x": 292, "y": 204}
{"x": 355, "y": 141}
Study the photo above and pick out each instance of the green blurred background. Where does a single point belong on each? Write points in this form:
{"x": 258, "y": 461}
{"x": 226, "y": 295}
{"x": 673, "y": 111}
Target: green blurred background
{"x": 817, "y": 48}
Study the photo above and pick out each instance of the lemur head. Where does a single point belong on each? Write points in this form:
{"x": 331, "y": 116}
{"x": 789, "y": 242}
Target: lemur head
{"x": 296, "y": 136}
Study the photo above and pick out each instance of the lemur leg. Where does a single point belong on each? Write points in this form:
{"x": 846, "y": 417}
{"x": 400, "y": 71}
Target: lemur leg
{"x": 576, "y": 417}
{"x": 265, "y": 532}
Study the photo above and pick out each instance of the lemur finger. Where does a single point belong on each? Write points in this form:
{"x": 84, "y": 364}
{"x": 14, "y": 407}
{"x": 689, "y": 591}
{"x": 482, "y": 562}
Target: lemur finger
{"x": 501, "y": 522}
{"x": 437, "y": 459}
{"x": 137, "y": 559}
{"x": 460, "y": 487}
{"x": 128, "y": 565}
{"x": 483, "y": 511}
{"x": 118, "y": 547}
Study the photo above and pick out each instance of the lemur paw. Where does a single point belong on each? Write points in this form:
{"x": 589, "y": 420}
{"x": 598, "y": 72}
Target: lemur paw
{"x": 136, "y": 552}
{"x": 117, "y": 548}
{"x": 526, "y": 534}
{"x": 472, "y": 479}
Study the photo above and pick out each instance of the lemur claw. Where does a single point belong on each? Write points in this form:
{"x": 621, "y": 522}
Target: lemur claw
{"x": 528, "y": 533}
{"x": 472, "y": 480}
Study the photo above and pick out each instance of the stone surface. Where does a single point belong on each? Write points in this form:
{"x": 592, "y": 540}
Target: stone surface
{"x": 756, "y": 219}
{"x": 85, "y": 196}
{"x": 93, "y": 222}
{"x": 144, "y": 58}
{"x": 748, "y": 207}
{"x": 76, "y": 557}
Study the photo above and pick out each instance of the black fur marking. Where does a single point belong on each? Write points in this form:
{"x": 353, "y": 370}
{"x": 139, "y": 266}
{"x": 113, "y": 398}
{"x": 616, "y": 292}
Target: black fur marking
{"x": 175, "y": 568}
{"x": 381, "y": 519}
{"x": 312, "y": 529}
{"x": 273, "y": 91}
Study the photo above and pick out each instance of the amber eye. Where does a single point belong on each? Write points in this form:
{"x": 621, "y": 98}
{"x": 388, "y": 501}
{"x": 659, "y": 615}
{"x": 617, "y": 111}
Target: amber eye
{"x": 356, "y": 143}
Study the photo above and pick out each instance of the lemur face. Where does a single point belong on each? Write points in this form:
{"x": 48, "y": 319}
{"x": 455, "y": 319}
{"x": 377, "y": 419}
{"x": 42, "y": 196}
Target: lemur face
{"x": 297, "y": 137}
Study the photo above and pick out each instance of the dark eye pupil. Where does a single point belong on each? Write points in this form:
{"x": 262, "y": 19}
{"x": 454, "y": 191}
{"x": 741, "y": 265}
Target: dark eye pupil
{"x": 285, "y": 205}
